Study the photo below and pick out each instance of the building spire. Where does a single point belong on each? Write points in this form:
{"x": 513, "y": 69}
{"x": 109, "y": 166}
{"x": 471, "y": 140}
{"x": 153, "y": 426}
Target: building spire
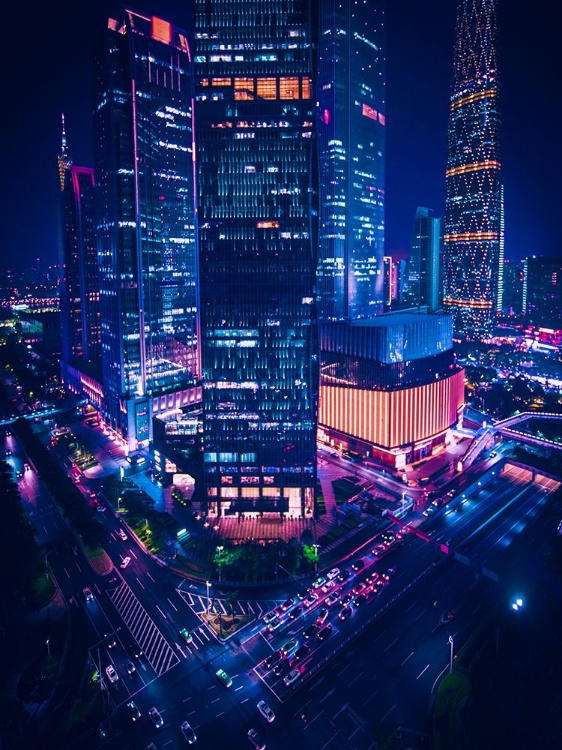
{"x": 63, "y": 161}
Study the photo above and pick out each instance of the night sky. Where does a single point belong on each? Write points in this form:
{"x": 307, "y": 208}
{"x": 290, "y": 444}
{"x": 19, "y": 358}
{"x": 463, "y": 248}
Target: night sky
{"x": 48, "y": 64}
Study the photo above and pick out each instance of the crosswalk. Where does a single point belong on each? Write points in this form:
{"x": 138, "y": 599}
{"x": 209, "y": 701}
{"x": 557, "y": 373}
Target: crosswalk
{"x": 155, "y": 648}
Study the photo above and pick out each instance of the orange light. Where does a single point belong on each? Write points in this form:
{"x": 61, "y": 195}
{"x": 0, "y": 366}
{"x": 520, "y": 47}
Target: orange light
{"x": 488, "y": 94}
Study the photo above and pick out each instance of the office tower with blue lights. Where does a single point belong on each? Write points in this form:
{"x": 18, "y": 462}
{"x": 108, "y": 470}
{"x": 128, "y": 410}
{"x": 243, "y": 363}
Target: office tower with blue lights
{"x": 257, "y": 215}
{"x": 424, "y": 266}
{"x": 145, "y": 188}
{"x": 474, "y": 232}
{"x": 79, "y": 286}
{"x": 351, "y": 152}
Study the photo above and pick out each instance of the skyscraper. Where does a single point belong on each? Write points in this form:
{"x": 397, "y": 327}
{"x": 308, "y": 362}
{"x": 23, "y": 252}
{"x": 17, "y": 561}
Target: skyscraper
{"x": 79, "y": 289}
{"x": 474, "y": 232}
{"x": 258, "y": 210}
{"x": 351, "y": 149}
{"x": 424, "y": 266}
{"x": 145, "y": 188}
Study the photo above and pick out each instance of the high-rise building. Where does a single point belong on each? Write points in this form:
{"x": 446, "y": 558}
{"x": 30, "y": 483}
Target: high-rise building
{"x": 542, "y": 291}
{"x": 351, "y": 150}
{"x": 255, "y": 114}
{"x": 512, "y": 287}
{"x": 474, "y": 232}
{"x": 79, "y": 286}
{"x": 145, "y": 190}
{"x": 425, "y": 266}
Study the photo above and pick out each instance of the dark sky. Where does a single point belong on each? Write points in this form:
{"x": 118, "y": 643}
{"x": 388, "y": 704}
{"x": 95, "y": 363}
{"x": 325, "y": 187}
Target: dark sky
{"x": 48, "y": 70}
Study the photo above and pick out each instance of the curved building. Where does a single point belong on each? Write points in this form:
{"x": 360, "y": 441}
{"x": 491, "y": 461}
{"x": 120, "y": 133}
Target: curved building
{"x": 473, "y": 236}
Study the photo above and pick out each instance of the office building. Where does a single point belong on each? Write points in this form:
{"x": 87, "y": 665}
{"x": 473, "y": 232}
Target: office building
{"x": 79, "y": 284}
{"x": 145, "y": 191}
{"x": 542, "y": 291}
{"x": 425, "y": 286}
{"x": 474, "y": 232}
{"x": 512, "y": 287}
{"x": 255, "y": 113}
{"x": 351, "y": 151}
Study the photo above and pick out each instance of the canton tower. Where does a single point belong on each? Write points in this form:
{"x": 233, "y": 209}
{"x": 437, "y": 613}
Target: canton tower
{"x": 473, "y": 236}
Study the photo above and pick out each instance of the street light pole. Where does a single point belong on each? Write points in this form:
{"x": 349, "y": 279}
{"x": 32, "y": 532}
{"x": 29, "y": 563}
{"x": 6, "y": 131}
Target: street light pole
{"x": 220, "y": 549}
{"x": 451, "y": 658}
{"x": 208, "y": 584}
{"x": 48, "y": 649}
{"x": 316, "y": 547}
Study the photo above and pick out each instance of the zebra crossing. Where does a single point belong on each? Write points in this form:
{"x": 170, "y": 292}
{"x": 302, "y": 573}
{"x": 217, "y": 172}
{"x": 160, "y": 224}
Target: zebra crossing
{"x": 155, "y": 648}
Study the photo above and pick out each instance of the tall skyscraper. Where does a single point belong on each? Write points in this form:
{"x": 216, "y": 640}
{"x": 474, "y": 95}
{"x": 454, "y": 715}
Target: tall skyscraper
{"x": 351, "y": 148}
{"x": 79, "y": 289}
{"x": 542, "y": 291}
{"x": 145, "y": 188}
{"x": 474, "y": 232}
{"x": 424, "y": 266}
{"x": 258, "y": 210}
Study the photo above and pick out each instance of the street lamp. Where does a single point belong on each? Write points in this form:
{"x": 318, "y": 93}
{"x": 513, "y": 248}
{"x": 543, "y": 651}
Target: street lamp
{"x": 451, "y": 643}
{"x": 208, "y": 584}
{"x": 316, "y": 547}
{"x": 48, "y": 649}
{"x": 220, "y": 549}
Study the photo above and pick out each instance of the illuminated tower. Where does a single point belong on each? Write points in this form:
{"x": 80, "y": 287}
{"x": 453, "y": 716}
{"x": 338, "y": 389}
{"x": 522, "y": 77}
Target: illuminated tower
{"x": 351, "y": 146}
{"x": 145, "y": 188}
{"x": 473, "y": 235}
{"x": 79, "y": 288}
{"x": 255, "y": 115}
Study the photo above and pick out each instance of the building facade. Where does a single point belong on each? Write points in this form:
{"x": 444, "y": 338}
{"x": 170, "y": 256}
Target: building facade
{"x": 542, "y": 291}
{"x": 425, "y": 269}
{"x": 258, "y": 210}
{"x": 351, "y": 151}
{"x": 474, "y": 231}
{"x": 145, "y": 190}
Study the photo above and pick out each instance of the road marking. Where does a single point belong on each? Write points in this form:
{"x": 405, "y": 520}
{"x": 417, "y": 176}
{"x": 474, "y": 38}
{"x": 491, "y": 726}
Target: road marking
{"x": 390, "y": 645}
{"x": 140, "y": 584}
{"x": 215, "y": 701}
{"x": 355, "y": 679}
{"x": 174, "y": 606}
{"x": 221, "y": 714}
{"x": 187, "y": 699}
{"x": 163, "y": 615}
{"x": 151, "y": 578}
{"x": 423, "y": 670}
{"x": 136, "y": 558}
{"x": 67, "y": 573}
{"x": 388, "y": 712}
{"x": 406, "y": 659}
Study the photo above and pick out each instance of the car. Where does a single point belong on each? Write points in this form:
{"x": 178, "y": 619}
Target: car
{"x": 429, "y": 510}
{"x": 274, "y": 624}
{"x": 358, "y": 564}
{"x": 289, "y": 648}
{"x": 273, "y": 659}
{"x": 125, "y": 561}
{"x": 372, "y": 579}
{"x": 133, "y": 709}
{"x": 361, "y": 586}
{"x": 122, "y": 534}
{"x": 310, "y": 630}
{"x": 344, "y": 576}
{"x": 344, "y": 612}
{"x": 101, "y": 508}
{"x": 223, "y": 678}
{"x": 388, "y": 539}
{"x": 327, "y": 586}
{"x": 188, "y": 733}
{"x": 19, "y": 474}
{"x": 186, "y": 635}
{"x": 319, "y": 582}
{"x": 8, "y": 452}
{"x": 292, "y": 677}
{"x": 493, "y": 454}
{"x": 304, "y": 593}
{"x": 88, "y": 595}
{"x": 110, "y": 641}
{"x": 134, "y": 650}
{"x": 333, "y": 598}
{"x": 387, "y": 574}
{"x": 310, "y": 599}
{"x": 156, "y": 717}
{"x": 266, "y": 711}
{"x": 334, "y": 573}
{"x": 322, "y": 616}
{"x": 359, "y": 600}
{"x": 301, "y": 652}
{"x": 295, "y": 612}
{"x": 348, "y": 598}
{"x": 129, "y": 666}
{"x": 379, "y": 550}
{"x": 282, "y": 667}
{"x": 287, "y": 603}
{"x": 256, "y": 739}
{"x": 324, "y": 632}
{"x": 27, "y": 467}
{"x": 269, "y": 616}
{"x": 111, "y": 673}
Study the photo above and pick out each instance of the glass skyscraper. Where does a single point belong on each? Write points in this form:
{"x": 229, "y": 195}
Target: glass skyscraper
{"x": 145, "y": 189}
{"x": 351, "y": 145}
{"x": 256, "y": 167}
{"x": 425, "y": 287}
{"x": 473, "y": 235}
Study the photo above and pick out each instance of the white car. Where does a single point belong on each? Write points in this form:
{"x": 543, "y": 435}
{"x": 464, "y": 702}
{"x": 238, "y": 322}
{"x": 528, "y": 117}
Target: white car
{"x": 125, "y": 561}
{"x": 88, "y": 594}
{"x": 122, "y": 534}
{"x": 334, "y": 573}
{"x": 310, "y": 599}
{"x": 269, "y": 616}
{"x": 293, "y": 676}
{"x": 156, "y": 717}
{"x": 188, "y": 733}
{"x": 112, "y": 675}
{"x": 266, "y": 711}
{"x": 328, "y": 585}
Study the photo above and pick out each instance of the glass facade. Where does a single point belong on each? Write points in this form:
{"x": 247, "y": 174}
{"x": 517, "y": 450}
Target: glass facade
{"x": 144, "y": 160}
{"x": 351, "y": 144}
{"x": 425, "y": 285}
{"x": 473, "y": 235}
{"x": 257, "y": 217}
